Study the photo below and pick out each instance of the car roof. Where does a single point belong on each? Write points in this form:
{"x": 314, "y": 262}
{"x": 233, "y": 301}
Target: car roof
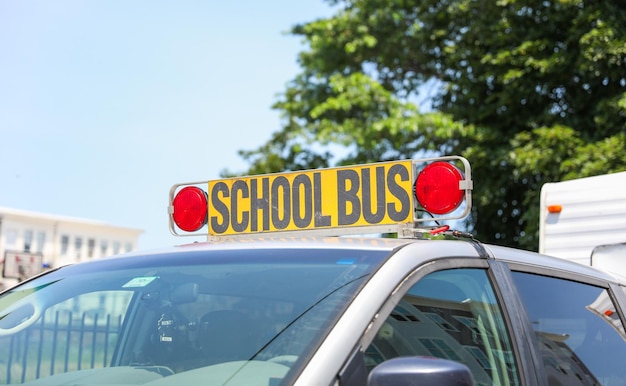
{"x": 511, "y": 255}
{"x": 528, "y": 258}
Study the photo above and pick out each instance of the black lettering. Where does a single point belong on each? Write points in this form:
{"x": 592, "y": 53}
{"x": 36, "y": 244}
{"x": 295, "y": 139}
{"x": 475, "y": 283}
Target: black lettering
{"x": 220, "y": 207}
{"x": 401, "y": 194}
{"x": 277, "y": 211}
{"x": 302, "y": 183}
{"x": 239, "y": 186}
{"x": 260, "y": 203}
{"x": 321, "y": 220}
{"x": 347, "y": 195}
{"x": 370, "y": 216}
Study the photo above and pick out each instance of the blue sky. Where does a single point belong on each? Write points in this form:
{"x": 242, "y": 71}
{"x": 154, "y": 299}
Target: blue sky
{"x": 104, "y": 105}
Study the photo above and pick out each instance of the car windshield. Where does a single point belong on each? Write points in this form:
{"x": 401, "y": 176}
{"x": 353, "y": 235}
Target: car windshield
{"x": 237, "y": 317}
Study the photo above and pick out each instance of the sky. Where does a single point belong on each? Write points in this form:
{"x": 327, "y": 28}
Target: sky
{"x": 104, "y": 105}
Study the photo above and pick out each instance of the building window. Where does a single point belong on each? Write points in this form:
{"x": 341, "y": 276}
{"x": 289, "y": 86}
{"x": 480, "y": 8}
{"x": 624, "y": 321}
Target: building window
{"x": 104, "y": 247}
{"x": 129, "y": 247}
{"x": 28, "y": 239}
{"x": 65, "y": 243}
{"x": 91, "y": 245}
{"x": 78, "y": 246}
{"x": 116, "y": 247}
{"x": 41, "y": 241}
{"x": 11, "y": 238}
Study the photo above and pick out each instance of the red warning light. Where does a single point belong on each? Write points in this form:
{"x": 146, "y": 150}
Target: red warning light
{"x": 190, "y": 208}
{"x": 437, "y": 188}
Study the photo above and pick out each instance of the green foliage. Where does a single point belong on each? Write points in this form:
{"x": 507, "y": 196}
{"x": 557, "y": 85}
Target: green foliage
{"x": 530, "y": 92}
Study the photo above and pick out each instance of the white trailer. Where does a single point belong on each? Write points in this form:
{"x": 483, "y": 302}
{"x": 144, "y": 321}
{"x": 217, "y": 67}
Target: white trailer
{"x": 578, "y": 216}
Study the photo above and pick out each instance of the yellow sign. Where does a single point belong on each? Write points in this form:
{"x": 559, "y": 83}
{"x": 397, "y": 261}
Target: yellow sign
{"x": 374, "y": 194}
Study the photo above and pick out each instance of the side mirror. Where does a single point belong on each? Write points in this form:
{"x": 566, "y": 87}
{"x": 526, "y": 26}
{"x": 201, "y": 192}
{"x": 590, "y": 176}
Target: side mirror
{"x": 405, "y": 371}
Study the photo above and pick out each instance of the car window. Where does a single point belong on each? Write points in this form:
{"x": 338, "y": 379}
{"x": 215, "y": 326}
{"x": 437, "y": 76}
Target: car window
{"x": 234, "y": 314}
{"x": 451, "y": 314}
{"x": 580, "y": 335}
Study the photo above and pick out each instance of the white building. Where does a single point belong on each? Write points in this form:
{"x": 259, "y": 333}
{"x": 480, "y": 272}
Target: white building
{"x": 31, "y": 242}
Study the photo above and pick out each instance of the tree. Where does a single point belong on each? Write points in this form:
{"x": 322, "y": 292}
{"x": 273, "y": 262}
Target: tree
{"x": 529, "y": 91}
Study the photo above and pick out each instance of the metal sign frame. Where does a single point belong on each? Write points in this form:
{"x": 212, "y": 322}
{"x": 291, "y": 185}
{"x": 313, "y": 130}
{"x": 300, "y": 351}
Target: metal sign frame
{"x": 465, "y": 185}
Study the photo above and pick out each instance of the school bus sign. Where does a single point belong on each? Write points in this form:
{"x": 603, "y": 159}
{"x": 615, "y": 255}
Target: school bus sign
{"x": 340, "y": 197}
{"x": 379, "y": 194}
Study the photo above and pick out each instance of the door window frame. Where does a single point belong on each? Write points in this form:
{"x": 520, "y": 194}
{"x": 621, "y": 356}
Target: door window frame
{"x": 518, "y": 327}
